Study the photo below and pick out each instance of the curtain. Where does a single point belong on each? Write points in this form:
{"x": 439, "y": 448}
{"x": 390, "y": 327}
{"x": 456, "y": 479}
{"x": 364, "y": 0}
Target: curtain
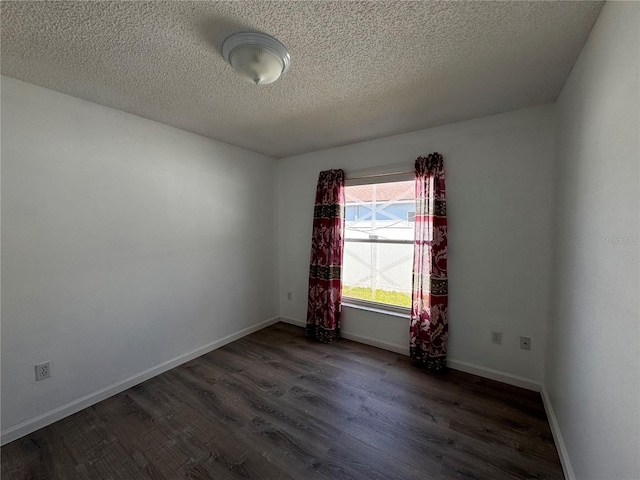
{"x": 327, "y": 247}
{"x": 429, "y": 311}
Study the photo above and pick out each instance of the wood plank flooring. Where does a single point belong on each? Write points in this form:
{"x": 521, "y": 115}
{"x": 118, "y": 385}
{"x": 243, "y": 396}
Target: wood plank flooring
{"x": 274, "y": 405}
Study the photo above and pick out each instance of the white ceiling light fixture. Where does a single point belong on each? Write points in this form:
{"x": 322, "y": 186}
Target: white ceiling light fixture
{"x": 257, "y": 58}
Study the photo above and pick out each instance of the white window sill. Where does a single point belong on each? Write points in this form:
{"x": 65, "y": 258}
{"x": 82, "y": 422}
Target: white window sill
{"x": 378, "y": 308}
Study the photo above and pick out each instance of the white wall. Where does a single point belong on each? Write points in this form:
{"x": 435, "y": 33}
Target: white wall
{"x": 592, "y": 369}
{"x": 499, "y": 171}
{"x": 125, "y": 243}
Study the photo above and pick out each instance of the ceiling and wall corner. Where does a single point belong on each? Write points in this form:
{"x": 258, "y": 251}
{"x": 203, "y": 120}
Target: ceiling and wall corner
{"x": 360, "y": 70}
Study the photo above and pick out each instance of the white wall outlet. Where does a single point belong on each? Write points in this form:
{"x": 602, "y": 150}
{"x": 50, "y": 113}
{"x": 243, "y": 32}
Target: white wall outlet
{"x": 525, "y": 343}
{"x": 43, "y": 370}
{"x": 496, "y": 337}
{"x": 288, "y": 295}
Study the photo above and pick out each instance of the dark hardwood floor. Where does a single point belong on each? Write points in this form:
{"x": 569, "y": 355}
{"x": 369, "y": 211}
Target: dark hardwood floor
{"x": 276, "y": 406}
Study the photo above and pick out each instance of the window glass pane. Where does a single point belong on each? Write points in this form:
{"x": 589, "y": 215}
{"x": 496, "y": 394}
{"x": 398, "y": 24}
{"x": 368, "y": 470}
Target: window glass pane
{"x": 394, "y": 211}
{"x": 379, "y": 272}
{"x": 356, "y": 212}
{"x": 380, "y": 210}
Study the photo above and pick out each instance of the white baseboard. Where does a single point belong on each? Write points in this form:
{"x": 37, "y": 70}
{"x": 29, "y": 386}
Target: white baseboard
{"x": 33, "y": 424}
{"x": 491, "y": 374}
{"x": 557, "y": 436}
{"x": 392, "y": 347}
{"x": 504, "y": 377}
{"x": 374, "y": 342}
{"x": 293, "y": 321}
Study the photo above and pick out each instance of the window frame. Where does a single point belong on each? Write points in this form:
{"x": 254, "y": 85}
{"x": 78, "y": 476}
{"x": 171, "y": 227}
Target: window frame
{"x": 371, "y": 305}
{"x": 375, "y": 306}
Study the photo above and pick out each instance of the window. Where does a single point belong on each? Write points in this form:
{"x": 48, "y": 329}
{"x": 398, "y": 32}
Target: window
{"x": 378, "y": 255}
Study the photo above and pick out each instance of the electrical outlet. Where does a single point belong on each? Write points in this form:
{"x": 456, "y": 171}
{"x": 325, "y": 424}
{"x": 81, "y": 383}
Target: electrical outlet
{"x": 525, "y": 343}
{"x": 288, "y": 295}
{"x": 496, "y": 337}
{"x": 43, "y": 370}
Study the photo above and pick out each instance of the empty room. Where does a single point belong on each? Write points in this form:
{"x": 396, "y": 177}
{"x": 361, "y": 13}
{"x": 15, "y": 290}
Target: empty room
{"x": 300, "y": 240}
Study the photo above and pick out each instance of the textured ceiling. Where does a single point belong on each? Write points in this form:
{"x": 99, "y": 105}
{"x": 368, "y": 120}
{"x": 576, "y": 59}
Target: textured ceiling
{"x": 360, "y": 70}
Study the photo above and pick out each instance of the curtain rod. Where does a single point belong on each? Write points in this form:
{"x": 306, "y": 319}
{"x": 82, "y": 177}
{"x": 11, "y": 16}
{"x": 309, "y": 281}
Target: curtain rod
{"x": 379, "y": 171}
{"x": 349, "y": 177}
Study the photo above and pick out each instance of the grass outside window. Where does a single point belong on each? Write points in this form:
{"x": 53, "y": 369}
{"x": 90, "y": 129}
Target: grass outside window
{"x": 398, "y": 299}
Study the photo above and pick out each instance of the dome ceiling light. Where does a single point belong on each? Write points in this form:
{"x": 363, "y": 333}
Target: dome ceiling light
{"x": 257, "y": 58}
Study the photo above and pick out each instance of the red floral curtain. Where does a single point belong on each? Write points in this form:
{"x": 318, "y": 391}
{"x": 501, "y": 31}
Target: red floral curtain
{"x": 327, "y": 247}
{"x": 429, "y": 311}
